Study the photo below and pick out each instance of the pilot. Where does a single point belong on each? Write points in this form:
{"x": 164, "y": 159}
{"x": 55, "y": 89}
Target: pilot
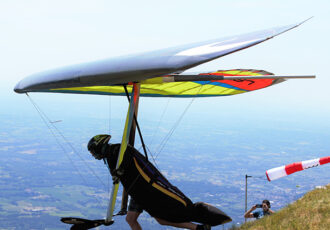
{"x": 151, "y": 191}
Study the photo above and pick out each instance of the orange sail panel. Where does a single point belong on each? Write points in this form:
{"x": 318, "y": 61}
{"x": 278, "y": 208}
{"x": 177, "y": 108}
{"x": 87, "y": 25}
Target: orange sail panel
{"x": 246, "y": 84}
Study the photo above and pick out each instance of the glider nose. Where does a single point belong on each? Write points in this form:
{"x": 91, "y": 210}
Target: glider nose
{"x": 18, "y": 88}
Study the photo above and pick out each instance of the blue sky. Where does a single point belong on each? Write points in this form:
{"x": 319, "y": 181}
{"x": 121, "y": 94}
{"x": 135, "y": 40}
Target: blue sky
{"x": 39, "y": 35}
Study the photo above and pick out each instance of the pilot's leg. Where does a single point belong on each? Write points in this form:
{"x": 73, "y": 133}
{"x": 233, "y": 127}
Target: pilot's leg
{"x": 134, "y": 211}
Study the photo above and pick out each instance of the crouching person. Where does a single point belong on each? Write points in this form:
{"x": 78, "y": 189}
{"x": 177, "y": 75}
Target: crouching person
{"x": 152, "y": 192}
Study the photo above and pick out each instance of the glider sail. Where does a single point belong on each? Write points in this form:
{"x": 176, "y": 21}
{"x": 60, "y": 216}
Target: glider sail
{"x": 276, "y": 173}
{"x": 161, "y": 87}
{"x": 139, "y": 67}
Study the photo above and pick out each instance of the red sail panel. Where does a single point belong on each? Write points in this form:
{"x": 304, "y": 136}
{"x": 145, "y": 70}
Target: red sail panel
{"x": 245, "y": 84}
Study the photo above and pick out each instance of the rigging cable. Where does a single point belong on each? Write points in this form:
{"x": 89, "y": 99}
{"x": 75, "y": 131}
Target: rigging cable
{"x": 45, "y": 118}
{"x": 172, "y": 130}
{"x": 142, "y": 142}
{"x": 160, "y": 120}
{"x": 140, "y": 134}
{"x": 108, "y": 181}
{"x": 176, "y": 124}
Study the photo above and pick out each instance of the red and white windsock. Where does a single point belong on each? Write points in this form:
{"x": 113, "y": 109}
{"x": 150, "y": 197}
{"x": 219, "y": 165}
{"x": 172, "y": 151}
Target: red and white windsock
{"x": 275, "y": 173}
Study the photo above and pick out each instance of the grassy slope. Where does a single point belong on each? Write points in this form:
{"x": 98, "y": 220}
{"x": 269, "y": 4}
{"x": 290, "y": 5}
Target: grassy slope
{"x": 311, "y": 212}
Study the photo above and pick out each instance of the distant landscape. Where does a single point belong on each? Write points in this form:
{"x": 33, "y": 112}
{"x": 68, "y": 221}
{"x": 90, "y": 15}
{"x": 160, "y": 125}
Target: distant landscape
{"x": 41, "y": 181}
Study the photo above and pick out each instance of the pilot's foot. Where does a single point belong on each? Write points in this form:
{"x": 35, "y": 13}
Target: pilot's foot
{"x": 122, "y": 212}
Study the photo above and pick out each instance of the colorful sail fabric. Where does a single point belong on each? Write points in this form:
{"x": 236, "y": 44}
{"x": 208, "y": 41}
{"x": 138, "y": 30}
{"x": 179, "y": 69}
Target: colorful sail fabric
{"x": 158, "y": 87}
{"x": 276, "y": 173}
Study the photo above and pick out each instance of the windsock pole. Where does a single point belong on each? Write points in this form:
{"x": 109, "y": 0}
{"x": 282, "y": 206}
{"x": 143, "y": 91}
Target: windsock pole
{"x": 246, "y": 177}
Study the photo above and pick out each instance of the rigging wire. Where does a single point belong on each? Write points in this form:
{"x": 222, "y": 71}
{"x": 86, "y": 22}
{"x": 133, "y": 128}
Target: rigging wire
{"x": 108, "y": 181}
{"x": 155, "y": 132}
{"x": 153, "y": 158}
{"x": 71, "y": 146}
{"x": 109, "y": 115}
{"x": 170, "y": 133}
{"x": 176, "y": 124}
{"x": 145, "y": 148}
{"x": 164, "y": 142}
{"x": 160, "y": 120}
{"x": 47, "y": 121}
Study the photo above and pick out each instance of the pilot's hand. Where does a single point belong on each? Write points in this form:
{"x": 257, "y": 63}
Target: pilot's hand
{"x": 115, "y": 179}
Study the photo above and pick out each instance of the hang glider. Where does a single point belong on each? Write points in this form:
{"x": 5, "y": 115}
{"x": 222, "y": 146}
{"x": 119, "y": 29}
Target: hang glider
{"x": 157, "y": 74}
{"x": 285, "y": 170}
{"x": 219, "y": 83}
{"x": 160, "y": 72}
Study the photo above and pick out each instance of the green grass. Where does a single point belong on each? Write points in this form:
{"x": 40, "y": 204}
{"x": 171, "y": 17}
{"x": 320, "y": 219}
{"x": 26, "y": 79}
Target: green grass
{"x": 311, "y": 212}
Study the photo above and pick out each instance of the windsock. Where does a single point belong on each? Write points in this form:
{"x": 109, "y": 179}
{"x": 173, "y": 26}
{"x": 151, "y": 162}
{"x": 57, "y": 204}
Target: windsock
{"x": 275, "y": 173}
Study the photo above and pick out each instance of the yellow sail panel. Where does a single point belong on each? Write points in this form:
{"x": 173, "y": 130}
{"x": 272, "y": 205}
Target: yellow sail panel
{"x": 172, "y": 89}
{"x": 160, "y": 87}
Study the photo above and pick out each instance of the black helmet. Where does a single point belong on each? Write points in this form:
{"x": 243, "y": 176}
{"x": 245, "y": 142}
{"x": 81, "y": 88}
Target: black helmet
{"x": 96, "y": 144}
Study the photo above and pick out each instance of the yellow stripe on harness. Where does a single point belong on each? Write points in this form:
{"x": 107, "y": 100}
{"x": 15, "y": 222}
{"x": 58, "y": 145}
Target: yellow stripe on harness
{"x": 169, "y": 193}
{"x": 145, "y": 176}
{"x": 141, "y": 171}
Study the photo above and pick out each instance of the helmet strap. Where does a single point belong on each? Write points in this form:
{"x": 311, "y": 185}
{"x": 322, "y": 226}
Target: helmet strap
{"x": 103, "y": 150}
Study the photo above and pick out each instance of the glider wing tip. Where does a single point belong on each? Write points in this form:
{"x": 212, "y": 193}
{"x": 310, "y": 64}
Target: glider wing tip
{"x": 306, "y": 20}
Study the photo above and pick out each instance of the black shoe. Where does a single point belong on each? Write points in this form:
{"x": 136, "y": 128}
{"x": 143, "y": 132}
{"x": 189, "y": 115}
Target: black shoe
{"x": 122, "y": 212}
